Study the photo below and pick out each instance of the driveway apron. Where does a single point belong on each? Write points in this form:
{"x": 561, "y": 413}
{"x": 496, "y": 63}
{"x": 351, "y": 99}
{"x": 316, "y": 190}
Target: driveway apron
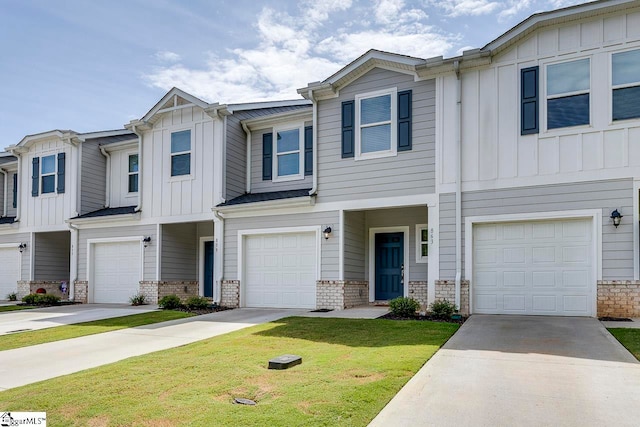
{"x": 522, "y": 371}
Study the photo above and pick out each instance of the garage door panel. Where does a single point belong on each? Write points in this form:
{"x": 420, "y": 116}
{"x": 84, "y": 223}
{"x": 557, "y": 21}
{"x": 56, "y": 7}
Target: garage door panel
{"x": 544, "y": 303}
{"x": 116, "y": 271}
{"x": 541, "y": 255}
{"x": 575, "y": 303}
{"x": 513, "y": 232}
{"x": 486, "y": 279}
{"x": 513, "y": 279}
{"x": 9, "y": 270}
{"x": 514, "y": 303}
{"x": 484, "y": 302}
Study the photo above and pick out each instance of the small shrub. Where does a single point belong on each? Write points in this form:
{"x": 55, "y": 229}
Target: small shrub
{"x": 197, "y": 303}
{"x": 404, "y": 307}
{"x": 12, "y": 296}
{"x": 137, "y": 299}
{"x": 170, "y": 302}
{"x": 442, "y": 309}
{"x": 30, "y": 299}
{"x": 40, "y": 299}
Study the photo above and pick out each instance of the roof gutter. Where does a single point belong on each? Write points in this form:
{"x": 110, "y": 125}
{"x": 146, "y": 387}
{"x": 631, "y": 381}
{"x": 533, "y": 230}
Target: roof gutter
{"x": 314, "y": 132}
{"x": 247, "y": 131}
{"x": 458, "y": 280}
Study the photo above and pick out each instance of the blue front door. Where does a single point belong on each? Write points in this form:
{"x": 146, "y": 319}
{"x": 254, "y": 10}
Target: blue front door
{"x": 208, "y": 270}
{"x": 389, "y": 265}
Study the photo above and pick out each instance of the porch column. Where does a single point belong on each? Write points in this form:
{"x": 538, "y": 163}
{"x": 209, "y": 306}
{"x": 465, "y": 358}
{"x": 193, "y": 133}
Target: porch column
{"x": 433, "y": 268}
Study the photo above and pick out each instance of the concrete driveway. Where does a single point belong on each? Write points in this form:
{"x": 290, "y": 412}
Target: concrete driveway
{"x": 41, "y": 318}
{"x": 522, "y": 371}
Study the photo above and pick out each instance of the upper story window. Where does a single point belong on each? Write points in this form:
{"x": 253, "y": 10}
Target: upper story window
{"x": 568, "y": 86}
{"x": 625, "y": 82}
{"x": 133, "y": 173}
{"x": 288, "y": 161}
{"x": 48, "y": 174}
{"x": 422, "y": 243}
{"x": 376, "y": 128}
{"x": 181, "y": 153}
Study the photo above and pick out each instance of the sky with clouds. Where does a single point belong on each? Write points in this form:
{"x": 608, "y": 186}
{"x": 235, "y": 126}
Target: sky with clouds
{"x": 96, "y": 65}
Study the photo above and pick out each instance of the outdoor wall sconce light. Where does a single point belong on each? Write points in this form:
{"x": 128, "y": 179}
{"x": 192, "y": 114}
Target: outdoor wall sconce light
{"x": 327, "y": 232}
{"x": 22, "y": 247}
{"x": 616, "y": 217}
{"x": 146, "y": 241}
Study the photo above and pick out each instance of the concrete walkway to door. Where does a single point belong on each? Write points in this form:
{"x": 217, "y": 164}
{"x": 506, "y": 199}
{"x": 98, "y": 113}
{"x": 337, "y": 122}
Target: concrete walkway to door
{"x": 522, "y": 371}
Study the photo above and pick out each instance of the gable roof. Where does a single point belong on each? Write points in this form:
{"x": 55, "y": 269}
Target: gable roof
{"x": 173, "y": 99}
{"x": 29, "y": 140}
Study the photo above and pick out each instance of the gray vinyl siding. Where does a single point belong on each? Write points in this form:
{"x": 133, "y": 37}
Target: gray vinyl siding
{"x": 2, "y": 193}
{"x": 410, "y": 172}
{"x": 260, "y": 186}
{"x": 179, "y": 252}
{"x": 329, "y": 248}
{"x": 114, "y": 232}
{"x": 617, "y": 244}
{"x": 11, "y": 211}
{"x": 402, "y": 217}
{"x": 355, "y": 249}
{"x": 236, "y": 158}
{"x": 93, "y": 178}
{"x": 26, "y": 255}
{"x": 52, "y": 251}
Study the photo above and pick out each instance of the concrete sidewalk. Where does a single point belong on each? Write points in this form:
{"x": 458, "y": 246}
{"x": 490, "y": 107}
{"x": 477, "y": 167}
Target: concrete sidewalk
{"x": 44, "y": 361}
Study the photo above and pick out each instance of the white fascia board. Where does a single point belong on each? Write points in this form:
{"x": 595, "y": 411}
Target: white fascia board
{"x": 56, "y": 133}
{"x": 103, "y": 134}
{"x": 275, "y": 119}
{"x": 232, "y": 108}
{"x": 122, "y": 145}
{"x": 373, "y": 55}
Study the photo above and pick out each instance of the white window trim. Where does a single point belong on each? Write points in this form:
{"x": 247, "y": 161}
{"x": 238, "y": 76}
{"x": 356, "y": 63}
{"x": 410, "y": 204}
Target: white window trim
{"x": 545, "y": 66}
{"x": 129, "y": 173}
{"x": 190, "y": 152}
{"x": 622, "y": 86}
{"x": 274, "y": 150}
{"x": 393, "y": 151}
{"x": 54, "y": 174}
{"x": 419, "y": 258}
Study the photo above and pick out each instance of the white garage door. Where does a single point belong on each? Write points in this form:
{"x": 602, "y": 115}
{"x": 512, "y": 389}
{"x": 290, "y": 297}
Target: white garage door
{"x": 280, "y": 270}
{"x": 116, "y": 271}
{"x": 543, "y": 268}
{"x": 9, "y": 270}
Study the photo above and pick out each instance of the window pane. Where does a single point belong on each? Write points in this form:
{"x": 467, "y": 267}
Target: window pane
{"x": 133, "y": 163}
{"x": 424, "y": 235}
{"x": 425, "y": 249}
{"x": 626, "y": 67}
{"x": 626, "y": 103}
{"x": 181, "y": 141}
{"x": 289, "y": 164}
{"x": 133, "y": 183}
{"x": 288, "y": 140}
{"x": 568, "y": 111}
{"x": 181, "y": 164}
{"x": 48, "y": 164}
{"x": 48, "y": 184}
{"x": 374, "y": 110}
{"x": 568, "y": 77}
{"x": 375, "y": 138}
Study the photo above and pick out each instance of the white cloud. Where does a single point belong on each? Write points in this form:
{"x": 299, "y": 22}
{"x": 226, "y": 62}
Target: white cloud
{"x": 167, "y": 56}
{"x": 455, "y": 8}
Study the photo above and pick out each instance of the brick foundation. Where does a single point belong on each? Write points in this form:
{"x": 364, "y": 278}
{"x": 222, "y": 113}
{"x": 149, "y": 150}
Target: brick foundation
{"x": 52, "y": 287}
{"x": 418, "y": 291}
{"x": 230, "y": 293}
{"x": 154, "y": 290}
{"x": 23, "y": 289}
{"x": 81, "y": 291}
{"x": 446, "y": 290}
{"x": 618, "y": 298}
{"x": 341, "y": 294}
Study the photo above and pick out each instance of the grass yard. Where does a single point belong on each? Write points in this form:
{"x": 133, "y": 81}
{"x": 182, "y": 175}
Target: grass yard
{"x": 15, "y": 307}
{"x": 630, "y": 338}
{"x": 24, "y": 339}
{"x": 350, "y": 369}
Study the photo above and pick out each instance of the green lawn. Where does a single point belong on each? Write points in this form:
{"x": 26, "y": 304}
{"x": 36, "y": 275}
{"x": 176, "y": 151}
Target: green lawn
{"x": 630, "y": 338}
{"x": 350, "y": 370}
{"x": 15, "y": 307}
{"x": 24, "y": 339}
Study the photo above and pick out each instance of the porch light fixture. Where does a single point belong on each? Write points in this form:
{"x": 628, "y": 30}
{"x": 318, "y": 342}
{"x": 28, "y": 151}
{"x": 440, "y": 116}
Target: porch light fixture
{"x": 146, "y": 241}
{"x": 616, "y": 217}
{"x": 327, "y": 232}
{"x": 22, "y": 247}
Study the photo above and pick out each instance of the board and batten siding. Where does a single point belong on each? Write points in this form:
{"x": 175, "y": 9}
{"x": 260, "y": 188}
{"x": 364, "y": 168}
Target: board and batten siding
{"x": 617, "y": 243}
{"x": 17, "y": 238}
{"x": 495, "y": 155}
{"x": 115, "y": 232}
{"x": 410, "y": 172}
{"x": 119, "y": 189}
{"x": 179, "y": 252}
{"x": 355, "y": 245}
{"x": 52, "y": 255}
{"x": 329, "y": 248}
{"x": 93, "y": 178}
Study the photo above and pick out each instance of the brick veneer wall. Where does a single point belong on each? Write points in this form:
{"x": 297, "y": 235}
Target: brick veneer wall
{"x": 183, "y": 289}
{"x": 23, "y": 289}
{"x": 355, "y": 293}
{"x": 341, "y": 294}
{"x": 51, "y": 286}
{"x": 618, "y": 298}
{"x": 230, "y": 293}
{"x": 149, "y": 288}
{"x": 418, "y": 291}
{"x": 446, "y": 290}
{"x": 81, "y": 291}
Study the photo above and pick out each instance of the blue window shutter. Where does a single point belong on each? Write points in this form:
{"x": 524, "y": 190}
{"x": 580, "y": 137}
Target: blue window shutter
{"x": 404, "y": 120}
{"x": 15, "y": 190}
{"x": 61, "y": 157}
{"x": 267, "y": 156}
{"x": 529, "y": 101}
{"x": 35, "y": 177}
{"x": 308, "y": 150}
{"x": 347, "y": 129}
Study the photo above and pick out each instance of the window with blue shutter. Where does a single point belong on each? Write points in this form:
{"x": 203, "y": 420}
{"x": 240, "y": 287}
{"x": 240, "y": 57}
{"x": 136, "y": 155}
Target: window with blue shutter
{"x": 404, "y": 120}
{"x": 15, "y": 190}
{"x": 48, "y": 174}
{"x": 529, "y": 101}
{"x": 267, "y": 156}
{"x": 347, "y": 129}
{"x": 61, "y": 158}
{"x": 308, "y": 150}
{"x": 35, "y": 176}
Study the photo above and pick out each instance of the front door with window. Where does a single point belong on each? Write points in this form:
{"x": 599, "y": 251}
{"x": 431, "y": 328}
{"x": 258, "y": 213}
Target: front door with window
{"x": 207, "y": 287}
{"x": 389, "y": 265}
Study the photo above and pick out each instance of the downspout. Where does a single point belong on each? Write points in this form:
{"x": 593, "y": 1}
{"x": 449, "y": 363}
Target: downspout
{"x": 75, "y": 238}
{"x": 314, "y": 132}
{"x": 247, "y": 131}
{"x": 6, "y": 188}
{"x": 140, "y": 168}
{"x": 219, "y": 242}
{"x": 456, "y": 67}
{"x": 19, "y": 192}
{"x": 107, "y": 197}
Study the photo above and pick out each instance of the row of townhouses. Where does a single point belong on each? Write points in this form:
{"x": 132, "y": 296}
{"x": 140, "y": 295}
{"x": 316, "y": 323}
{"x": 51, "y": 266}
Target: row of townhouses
{"x": 505, "y": 180}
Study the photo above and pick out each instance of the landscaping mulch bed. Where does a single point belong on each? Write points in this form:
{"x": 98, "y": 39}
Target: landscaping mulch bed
{"x": 208, "y": 310}
{"x": 391, "y": 316}
{"x": 614, "y": 319}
